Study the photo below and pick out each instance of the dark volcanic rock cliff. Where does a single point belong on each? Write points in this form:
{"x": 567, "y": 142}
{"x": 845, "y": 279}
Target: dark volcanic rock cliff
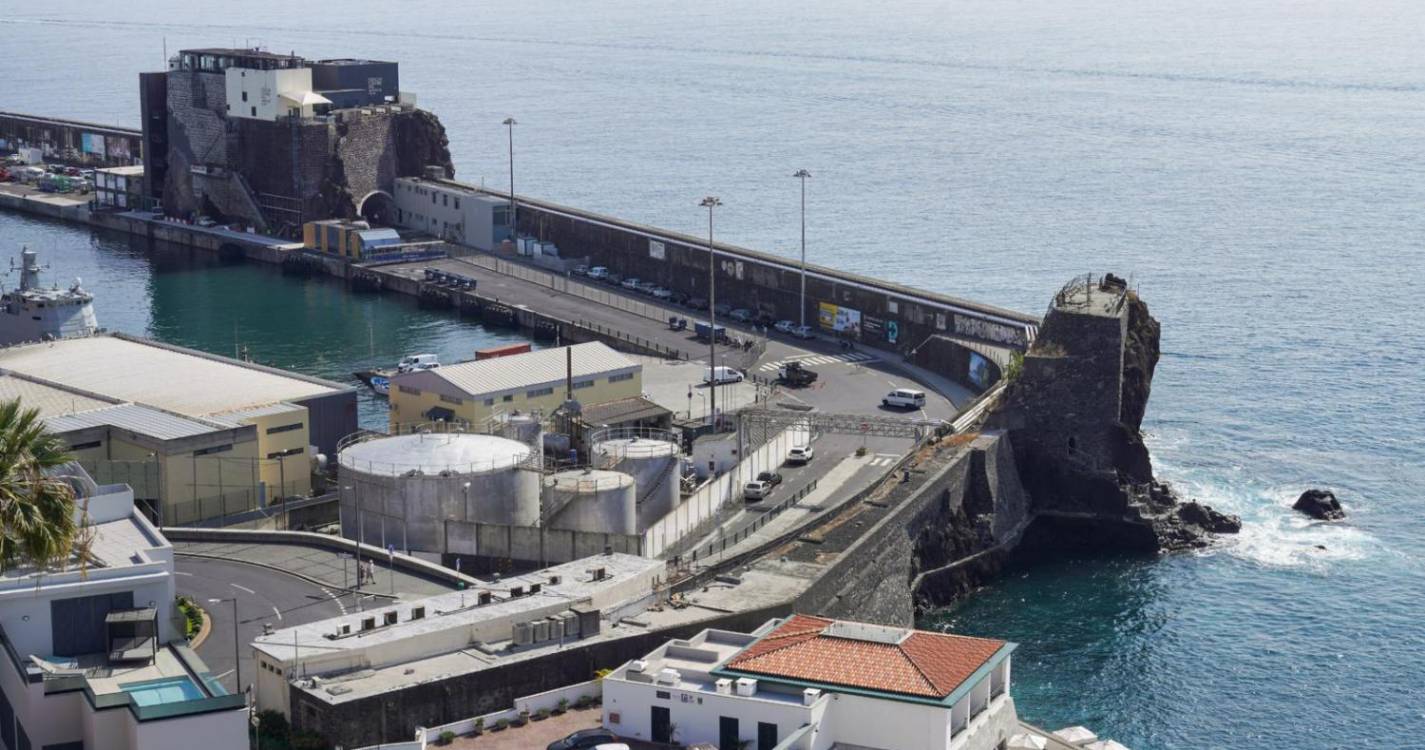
{"x": 1074, "y": 410}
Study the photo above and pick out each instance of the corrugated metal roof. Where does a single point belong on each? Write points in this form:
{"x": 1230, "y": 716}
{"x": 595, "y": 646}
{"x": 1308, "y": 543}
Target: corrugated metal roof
{"x": 136, "y": 418}
{"x": 623, "y": 410}
{"x": 489, "y": 376}
{"x": 167, "y": 377}
{"x": 50, "y": 400}
{"x": 237, "y": 415}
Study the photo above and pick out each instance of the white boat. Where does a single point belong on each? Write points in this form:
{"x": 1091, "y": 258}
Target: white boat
{"x": 34, "y": 313}
{"x": 381, "y": 384}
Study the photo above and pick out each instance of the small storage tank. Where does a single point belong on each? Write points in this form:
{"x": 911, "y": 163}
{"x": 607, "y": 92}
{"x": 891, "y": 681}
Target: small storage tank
{"x": 525, "y": 428}
{"x": 398, "y": 491}
{"x": 651, "y": 457}
{"x": 593, "y": 500}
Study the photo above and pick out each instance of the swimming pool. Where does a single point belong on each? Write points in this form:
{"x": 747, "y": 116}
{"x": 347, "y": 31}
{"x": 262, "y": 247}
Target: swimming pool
{"x": 162, "y": 690}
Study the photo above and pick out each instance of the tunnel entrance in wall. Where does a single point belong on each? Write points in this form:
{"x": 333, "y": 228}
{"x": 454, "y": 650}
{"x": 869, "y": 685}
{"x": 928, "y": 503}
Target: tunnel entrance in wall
{"x": 379, "y": 208}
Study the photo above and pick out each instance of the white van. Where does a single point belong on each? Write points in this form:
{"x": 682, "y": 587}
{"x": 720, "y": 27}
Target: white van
{"x": 598, "y": 272}
{"x": 722, "y": 375}
{"x": 413, "y": 362}
{"x": 905, "y": 398}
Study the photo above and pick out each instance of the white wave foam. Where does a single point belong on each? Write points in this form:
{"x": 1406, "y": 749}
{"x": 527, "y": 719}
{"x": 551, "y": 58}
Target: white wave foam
{"x": 1273, "y": 535}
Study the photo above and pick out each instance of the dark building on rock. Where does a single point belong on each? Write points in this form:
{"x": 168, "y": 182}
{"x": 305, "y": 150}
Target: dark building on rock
{"x": 275, "y": 140}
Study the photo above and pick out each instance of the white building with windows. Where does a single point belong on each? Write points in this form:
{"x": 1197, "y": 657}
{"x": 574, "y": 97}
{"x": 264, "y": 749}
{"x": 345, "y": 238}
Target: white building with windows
{"x": 94, "y": 654}
{"x": 453, "y": 212}
{"x": 809, "y": 683}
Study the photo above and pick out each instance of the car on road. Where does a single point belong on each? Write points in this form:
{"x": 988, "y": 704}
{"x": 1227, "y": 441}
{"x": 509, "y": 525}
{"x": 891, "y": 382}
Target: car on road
{"x": 584, "y": 739}
{"x": 661, "y": 293}
{"x": 905, "y": 398}
{"x": 698, "y": 303}
{"x": 614, "y": 278}
{"x": 803, "y": 332}
{"x": 722, "y": 308}
{"x": 631, "y": 283}
{"x": 720, "y": 375}
{"x": 784, "y": 326}
{"x": 647, "y": 287}
{"x": 205, "y": 221}
{"x": 581, "y": 270}
{"x": 598, "y": 272}
{"x": 677, "y": 297}
{"x": 755, "y": 490}
{"x": 770, "y": 477}
{"x": 741, "y": 315}
{"x": 800, "y": 454}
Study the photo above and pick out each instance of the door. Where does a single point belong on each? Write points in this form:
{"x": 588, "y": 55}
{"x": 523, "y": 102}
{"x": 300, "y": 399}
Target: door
{"x": 727, "y": 734}
{"x": 662, "y": 724}
{"x": 766, "y": 735}
{"x": 77, "y": 625}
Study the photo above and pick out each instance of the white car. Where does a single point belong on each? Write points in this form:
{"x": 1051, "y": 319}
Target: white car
{"x": 756, "y": 490}
{"x": 598, "y": 272}
{"x": 802, "y": 332}
{"x": 720, "y": 375}
{"x": 800, "y": 454}
{"x": 905, "y": 398}
{"x": 630, "y": 283}
{"x": 785, "y": 326}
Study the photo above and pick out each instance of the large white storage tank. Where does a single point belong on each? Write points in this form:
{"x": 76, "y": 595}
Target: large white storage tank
{"x": 398, "y": 491}
{"x": 648, "y": 455}
{"x": 594, "y": 500}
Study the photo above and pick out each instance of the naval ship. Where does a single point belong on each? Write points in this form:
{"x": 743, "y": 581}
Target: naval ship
{"x": 34, "y": 313}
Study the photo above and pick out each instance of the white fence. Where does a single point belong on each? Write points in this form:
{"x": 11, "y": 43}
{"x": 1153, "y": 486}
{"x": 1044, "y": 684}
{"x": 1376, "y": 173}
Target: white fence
{"x": 709, "y": 500}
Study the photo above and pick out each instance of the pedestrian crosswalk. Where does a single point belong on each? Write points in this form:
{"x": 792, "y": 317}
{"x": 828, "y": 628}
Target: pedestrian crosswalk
{"x": 884, "y": 459}
{"x": 847, "y": 358}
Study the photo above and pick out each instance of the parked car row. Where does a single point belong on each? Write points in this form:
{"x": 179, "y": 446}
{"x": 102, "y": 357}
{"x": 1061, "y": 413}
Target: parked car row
{"x": 759, "y": 488}
{"x": 664, "y": 294}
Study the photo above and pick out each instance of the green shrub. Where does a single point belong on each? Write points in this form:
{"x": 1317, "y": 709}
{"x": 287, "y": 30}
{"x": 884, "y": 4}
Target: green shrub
{"x": 447, "y": 737}
{"x": 541, "y": 714}
{"x": 501, "y": 724}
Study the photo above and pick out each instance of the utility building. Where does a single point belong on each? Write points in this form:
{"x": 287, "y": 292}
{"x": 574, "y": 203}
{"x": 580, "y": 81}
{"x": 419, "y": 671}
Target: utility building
{"x": 197, "y": 435}
{"x": 452, "y": 212}
{"x": 473, "y": 392}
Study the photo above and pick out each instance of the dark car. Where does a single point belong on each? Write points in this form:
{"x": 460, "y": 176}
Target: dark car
{"x": 614, "y": 278}
{"x": 677, "y": 297}
{"x": 698, "y": 303}
{"x": 722, "y": 309}
{"x": 764, "y": 319}
{"x": 770, "y": 477}
{"x": 584, "y": 738}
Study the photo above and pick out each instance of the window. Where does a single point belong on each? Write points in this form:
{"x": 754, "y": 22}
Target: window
{"x": 537, "y": 392}
{"x": 583, "y": 384}
{"x": 432, "y": 198}
{"x": 663, "y": 695}
{"x": 445, "y": 200}
{"x": 620, "y": 377}
{"x": 86, "y": 446}
{"x": 508, "y": 398}
{"x": 214, "y": 449}
{"x": 489, "y": 402}
{"x": 285, "y": 428}
{"x": 451, "y": 399}
{"x": 457, "y": 204}
{"x": 288, "y": 452}
{"x": 409, "y": 391}
{"x": 254, "y": 111}
{"x": 244, "y": 96}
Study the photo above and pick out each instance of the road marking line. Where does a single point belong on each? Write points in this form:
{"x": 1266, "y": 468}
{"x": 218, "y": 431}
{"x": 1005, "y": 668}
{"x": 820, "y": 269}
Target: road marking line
{"x": 276, "y": 612}
{"x": 244, "y": 588}
{"x": 181, "y": 573}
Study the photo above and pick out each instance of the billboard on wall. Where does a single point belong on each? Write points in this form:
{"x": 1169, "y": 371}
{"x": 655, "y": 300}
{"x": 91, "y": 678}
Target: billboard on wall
{"x": 92, "y": 143}
{"x": 840, "y": 319}
{"x": 979, "y": 372}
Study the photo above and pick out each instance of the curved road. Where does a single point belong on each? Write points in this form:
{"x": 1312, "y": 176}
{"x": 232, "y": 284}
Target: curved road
{"x": 264, "y": 597}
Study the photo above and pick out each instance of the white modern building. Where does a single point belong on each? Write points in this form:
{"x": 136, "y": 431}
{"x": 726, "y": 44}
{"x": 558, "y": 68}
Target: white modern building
{"x": 272, "y": 93}
{"x": 452, "y": 212}
{"x": 94, "y": 655}
{"x": 809, "y": 683}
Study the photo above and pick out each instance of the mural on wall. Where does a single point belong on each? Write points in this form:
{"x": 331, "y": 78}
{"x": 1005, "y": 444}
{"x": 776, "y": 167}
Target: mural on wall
{"x": 840, "y": 319}
{"x": 979, "y": 371}
{"x": 983, "y": 329}
{"x": 118, "y": 148}
{"x": 656, "y": 250}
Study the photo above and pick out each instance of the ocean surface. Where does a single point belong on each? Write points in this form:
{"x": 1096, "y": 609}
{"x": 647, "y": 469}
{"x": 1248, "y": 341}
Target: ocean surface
{"x": 1256, "y": 168}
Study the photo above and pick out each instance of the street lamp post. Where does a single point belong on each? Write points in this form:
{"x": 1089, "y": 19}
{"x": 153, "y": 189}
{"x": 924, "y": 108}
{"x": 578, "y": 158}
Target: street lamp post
{"x": 237, "y": 662}
{"x": 802, "y": 175}
{"x": 710, "y": 203}
{"x": 510, "y": 124}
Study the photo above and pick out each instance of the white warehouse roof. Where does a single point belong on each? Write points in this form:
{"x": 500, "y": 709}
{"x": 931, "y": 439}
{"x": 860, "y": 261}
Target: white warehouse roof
{"x": 168, "y": 377}
{"x": 491, "y": 376}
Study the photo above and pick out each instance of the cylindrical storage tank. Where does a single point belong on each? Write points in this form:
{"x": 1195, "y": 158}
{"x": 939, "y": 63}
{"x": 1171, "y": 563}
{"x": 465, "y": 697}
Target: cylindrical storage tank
{"x": 399, "y": 491}
{"x": 595, "y": 500}
{"x": 651, "y": 458}
{"x": 526, "y": 428}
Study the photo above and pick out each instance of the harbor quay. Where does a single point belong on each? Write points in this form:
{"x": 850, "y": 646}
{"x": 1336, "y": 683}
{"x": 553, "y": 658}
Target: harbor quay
{"x": 721, "y": 473}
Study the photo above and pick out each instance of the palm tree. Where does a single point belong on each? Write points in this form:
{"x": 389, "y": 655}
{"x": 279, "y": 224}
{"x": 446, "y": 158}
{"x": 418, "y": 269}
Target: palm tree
{"x": 37, "y": 524}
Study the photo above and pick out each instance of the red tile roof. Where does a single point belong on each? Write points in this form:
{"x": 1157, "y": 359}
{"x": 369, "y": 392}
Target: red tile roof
{"x": 924, "y": 664}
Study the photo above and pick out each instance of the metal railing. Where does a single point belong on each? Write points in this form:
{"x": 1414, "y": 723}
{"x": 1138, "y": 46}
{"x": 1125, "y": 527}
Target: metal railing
{"x": 661, "y": 350}
{"x": 722, "y": 543}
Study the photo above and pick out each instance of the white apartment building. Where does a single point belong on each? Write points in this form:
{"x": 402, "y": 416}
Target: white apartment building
{"x": 809, "y": 683}
{"x": 272, "y": 94}
{"x": 94, "y": 657}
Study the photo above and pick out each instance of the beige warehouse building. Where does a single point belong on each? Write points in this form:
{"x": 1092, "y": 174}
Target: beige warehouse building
{"x": 473, "y": 392}
{"x": 196, "y": 435}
